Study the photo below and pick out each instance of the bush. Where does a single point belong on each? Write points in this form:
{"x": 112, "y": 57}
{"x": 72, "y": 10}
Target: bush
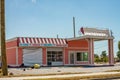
{"x": 36, "y": 66}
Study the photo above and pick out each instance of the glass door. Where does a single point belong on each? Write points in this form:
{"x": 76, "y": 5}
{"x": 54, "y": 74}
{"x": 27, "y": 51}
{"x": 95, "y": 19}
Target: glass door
{"x": 71, "y": 58}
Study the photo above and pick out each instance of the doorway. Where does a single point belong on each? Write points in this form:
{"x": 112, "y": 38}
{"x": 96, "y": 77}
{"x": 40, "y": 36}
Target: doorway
{"x": 71, "y": 58}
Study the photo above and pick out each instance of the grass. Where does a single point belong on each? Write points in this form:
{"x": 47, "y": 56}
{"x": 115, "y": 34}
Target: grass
{"x": 113, "y": 71}
{"x": 0, "y": 72}
{"x": 108, "y": 76}
{"x": 25, "y": 75}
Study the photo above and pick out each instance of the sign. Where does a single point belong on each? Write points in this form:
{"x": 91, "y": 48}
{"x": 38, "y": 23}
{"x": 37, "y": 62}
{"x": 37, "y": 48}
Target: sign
{"x": 95, "y": 32}
{"x": 41, "y": 45}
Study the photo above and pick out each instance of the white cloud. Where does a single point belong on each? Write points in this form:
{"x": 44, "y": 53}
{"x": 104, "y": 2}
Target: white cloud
{"x": 34, "y": 1}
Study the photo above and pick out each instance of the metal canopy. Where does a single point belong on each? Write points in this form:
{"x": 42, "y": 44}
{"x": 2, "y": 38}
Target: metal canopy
{"x": 94, "y": 33}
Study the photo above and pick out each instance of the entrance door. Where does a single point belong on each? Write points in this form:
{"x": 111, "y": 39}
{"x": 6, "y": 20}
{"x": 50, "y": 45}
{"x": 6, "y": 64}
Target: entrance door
{"x": 32, "y": 56}
{"x": 71, "y": 58}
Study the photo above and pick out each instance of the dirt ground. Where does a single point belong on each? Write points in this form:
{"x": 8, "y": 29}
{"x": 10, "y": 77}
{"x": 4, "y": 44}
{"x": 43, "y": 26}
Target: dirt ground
{"x": 63, "y": 69}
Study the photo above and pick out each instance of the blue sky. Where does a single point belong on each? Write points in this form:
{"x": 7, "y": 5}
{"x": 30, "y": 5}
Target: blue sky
{"x": 47, "y": 18}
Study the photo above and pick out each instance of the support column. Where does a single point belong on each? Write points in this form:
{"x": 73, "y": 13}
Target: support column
{"x": 91, "y": 51}
{"x": 110, "y": 51}
{"x": 44, "y": 53}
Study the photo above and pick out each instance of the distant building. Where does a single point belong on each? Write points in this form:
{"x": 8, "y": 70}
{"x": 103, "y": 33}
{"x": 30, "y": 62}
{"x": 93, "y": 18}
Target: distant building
{"x": 57, "y": 51}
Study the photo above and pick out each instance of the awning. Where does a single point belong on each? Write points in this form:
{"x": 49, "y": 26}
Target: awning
{"x": 37, "y": 42}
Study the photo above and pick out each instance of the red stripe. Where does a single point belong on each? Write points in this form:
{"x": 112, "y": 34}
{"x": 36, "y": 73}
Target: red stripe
{"x": 56, "y": 41}
{"x": 49, "y": 40}
{"x": 26, "y": 40}
{"x": 41, "y": 40}
{"x": 59, "y": 41}
{"x": 52, "y": 41}
{"x": 62, "y": 41}
{"x": 45, "y": 40}
{"x": 30, "y": 40}
{"x": 38, "y": 40}
{"x": 34, "y": 40}
{"x": 22, "y": 40}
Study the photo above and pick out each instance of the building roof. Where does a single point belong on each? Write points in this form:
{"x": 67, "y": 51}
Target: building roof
{"x": 96, "y": 38}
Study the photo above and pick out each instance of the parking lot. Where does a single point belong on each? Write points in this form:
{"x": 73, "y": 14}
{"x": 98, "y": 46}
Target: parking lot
{"x": 63, "y": 69}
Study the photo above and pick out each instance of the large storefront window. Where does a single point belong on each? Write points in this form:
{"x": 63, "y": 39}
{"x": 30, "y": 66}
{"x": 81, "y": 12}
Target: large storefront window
{"x": 54, "y": 56}
{"x": 82, "y": 56}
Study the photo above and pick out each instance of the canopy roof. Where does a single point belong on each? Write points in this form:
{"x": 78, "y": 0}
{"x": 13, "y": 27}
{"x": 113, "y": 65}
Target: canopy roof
{"x": 34, "y": 41}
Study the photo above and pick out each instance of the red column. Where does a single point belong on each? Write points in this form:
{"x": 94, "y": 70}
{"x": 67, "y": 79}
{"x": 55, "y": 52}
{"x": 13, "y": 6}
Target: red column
{"x": 91, "y": 51}
{"x": 110, "y": 50}
{"x": 44, "y": 56}
{"x": 66, "y": 56}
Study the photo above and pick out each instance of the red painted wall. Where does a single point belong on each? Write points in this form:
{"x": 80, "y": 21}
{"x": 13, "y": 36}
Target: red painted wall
{"x": 20, "y": 56}
{"x": 78, "y": 43}
{"x": 11, "y": 56}
{"x": 11, "y": 51}
{"x": 11, "y": 44}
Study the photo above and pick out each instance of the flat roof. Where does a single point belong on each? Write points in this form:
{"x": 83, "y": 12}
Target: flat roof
{"x": 96, "y": 38}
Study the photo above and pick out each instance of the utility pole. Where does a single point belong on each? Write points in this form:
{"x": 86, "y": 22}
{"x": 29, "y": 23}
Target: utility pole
{"x": 74, "y": 26}
{"x": 2, "y": 37}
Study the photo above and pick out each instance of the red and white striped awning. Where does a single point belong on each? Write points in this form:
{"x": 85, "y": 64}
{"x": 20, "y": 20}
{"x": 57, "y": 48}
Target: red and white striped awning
{"x": 29, "y": 41}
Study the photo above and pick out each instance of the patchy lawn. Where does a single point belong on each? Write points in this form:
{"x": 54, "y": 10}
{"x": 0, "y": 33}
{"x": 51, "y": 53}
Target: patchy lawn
{"x": 110, "y": 76}
{"x": 113, "y": 71}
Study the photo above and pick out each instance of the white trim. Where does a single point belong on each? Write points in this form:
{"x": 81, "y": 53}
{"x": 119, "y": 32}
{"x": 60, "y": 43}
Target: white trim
{"x": 21, "y": 40}
{"x": 57, "y": 41}
{"x": 24, "y": 40}
{"x": 47, "y": 41}
{"x": 50, "y": 41}
{"x": 39, "y": 40}
{"x": 12, "y": 47}
{"x": 43, "y": 40}
{"x": 54, "y": 41}
{"x": 64, "y": 41}
{"x": 87, "y": 36}
{"x": 28, "y": 40}
{"x": 36, "y": 41}
{"x": 12, "y": 39}
{"x": 60, "y": 41}
{"x": 32, "y": 40}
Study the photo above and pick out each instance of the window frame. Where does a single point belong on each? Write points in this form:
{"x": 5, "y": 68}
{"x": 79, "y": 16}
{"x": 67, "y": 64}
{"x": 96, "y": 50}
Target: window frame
{"x": 82, "y": 59}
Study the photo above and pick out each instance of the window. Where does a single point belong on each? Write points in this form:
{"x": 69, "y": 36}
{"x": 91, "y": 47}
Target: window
{"x": 82, "y": 56}
{"x": 54, "y": 56}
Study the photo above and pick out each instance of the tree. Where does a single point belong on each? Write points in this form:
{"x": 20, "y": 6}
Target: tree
{"x": 96, "y": 58}
{"x": 119, "y": 45}
{"x": 118, "y": 53}
{"x": 104, "y": 56}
